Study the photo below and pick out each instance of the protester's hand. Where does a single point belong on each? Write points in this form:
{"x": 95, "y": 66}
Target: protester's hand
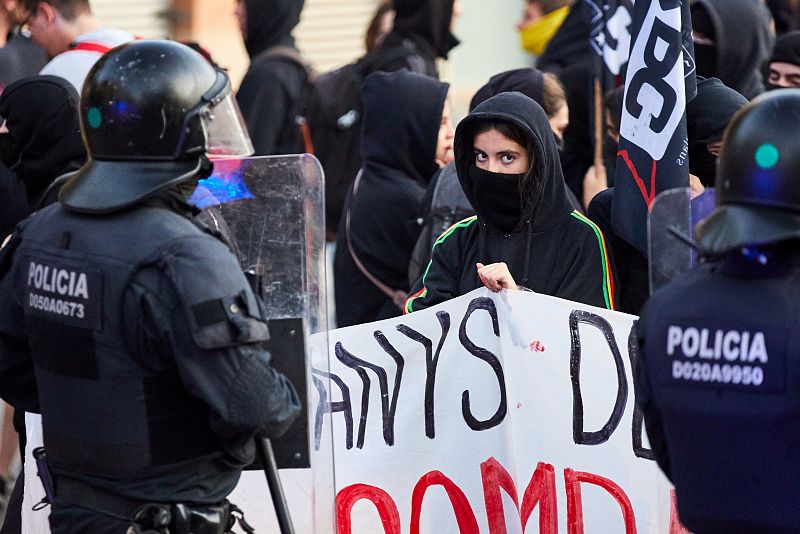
{"x": 696, "y": 186}
{"x": 594, "y": 181}
{"x": 496, "y": 276}
{"x": 447, "y": 159}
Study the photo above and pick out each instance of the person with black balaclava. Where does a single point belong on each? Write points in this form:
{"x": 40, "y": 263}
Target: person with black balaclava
{"x": 406, "y": 129}
{"x": 783, "y": 69}
{"x": 525, "y": 231}
{"x": 41, "y": 115}
{"x": 445, "y": 202}
{"x": 271, "y": 93}
{"x": 732, "y": 40}
{"x": 423, "y": 28}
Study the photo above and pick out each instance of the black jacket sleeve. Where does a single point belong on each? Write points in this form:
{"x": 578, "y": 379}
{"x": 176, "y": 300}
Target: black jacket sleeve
{"x": 588, "y": 277}
{"x": 440, "y": 279}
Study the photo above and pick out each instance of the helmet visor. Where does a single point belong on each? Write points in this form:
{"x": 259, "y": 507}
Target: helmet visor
{"x": 226, "y": 134}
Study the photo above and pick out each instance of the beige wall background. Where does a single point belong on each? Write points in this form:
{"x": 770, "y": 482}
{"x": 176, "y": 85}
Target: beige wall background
{"x": 331, "y": 34}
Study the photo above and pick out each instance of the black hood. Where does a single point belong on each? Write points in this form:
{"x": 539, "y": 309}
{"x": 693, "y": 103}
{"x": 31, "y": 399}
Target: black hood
{"x": 529, "y": 116}
{"x": 427, "y": 23}
{"x": 528, "y": 81}
{"x": 707, "y": 115}
{"x": 270, "y": 23}
{"x": 41, "y": 114}
{"x": 400, "y": 128}
{"x": 743, "y": 42}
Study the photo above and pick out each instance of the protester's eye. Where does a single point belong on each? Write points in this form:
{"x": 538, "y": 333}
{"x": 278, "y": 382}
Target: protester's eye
{"x": 480, "y": 156}
{"x": 774, "y": 76}
{"x": 507, "y": 159}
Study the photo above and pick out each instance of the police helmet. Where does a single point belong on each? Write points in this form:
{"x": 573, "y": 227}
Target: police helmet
{"x": 151, "y": 111}
{"x": 758, "y": 183}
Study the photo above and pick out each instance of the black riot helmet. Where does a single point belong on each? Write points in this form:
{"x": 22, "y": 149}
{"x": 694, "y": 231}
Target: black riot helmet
{"x": 151, "y": 111}
{"x": 758, "y": 183}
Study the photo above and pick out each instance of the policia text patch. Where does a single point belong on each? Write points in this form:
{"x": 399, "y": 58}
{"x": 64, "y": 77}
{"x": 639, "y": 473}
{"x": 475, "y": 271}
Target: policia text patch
{"x": 717, "y": 355}
{"x": 63, "y": 293}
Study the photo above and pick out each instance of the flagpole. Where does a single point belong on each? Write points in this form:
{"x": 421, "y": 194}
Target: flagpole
{"x": 599, "y": 121}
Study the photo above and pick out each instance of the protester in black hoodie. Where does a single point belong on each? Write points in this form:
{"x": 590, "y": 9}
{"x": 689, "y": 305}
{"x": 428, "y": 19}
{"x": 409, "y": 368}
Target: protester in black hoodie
{"x": 406, "y": 127}
{"x": 525, "y": 230}
{"x": 270, "y": 95}
{"x": 445, "y": 202}
{"x": 424, "y": 29}
{"x": 707, "y": 116}
{"x": 41, "y": 115}
{"x": 44, "y": 148}
{"x": 783, "y": 69}
{"x": 732, "y": 40}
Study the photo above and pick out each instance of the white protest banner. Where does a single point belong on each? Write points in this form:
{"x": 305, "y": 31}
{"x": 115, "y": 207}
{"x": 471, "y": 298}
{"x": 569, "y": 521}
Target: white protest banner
{"x": 510, "y": 412}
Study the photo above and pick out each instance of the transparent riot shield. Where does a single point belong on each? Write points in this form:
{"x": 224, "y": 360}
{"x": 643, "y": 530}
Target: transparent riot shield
{"x": 272, "y": 210}
{"x": 670, "y": 232}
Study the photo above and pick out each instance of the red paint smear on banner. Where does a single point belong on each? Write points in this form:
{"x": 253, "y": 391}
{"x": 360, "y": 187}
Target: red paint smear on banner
{"x": 573, "y": 481}
{"x": 467, "y": 524}
{"x": 536, "y": 346}
{"x": 349, "y": 496}
{"x": 647, "y": 196}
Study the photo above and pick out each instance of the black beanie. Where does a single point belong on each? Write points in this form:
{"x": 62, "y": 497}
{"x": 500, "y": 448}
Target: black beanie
{"x": 787, "y": 48}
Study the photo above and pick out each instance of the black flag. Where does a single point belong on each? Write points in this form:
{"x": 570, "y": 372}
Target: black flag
{"x": 653, "y": 148}
{"x": 611, "y": 22}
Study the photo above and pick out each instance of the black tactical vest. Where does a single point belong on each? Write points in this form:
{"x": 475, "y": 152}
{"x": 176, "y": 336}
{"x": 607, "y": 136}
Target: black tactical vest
{"x": 106, "y": 410}
{"x": 719, "y": 376}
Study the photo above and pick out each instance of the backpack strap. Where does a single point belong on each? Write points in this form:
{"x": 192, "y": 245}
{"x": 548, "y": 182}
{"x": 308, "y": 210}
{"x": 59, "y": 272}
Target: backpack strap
{"x": 292, "y": 55}
{"x": 396, "y": 295}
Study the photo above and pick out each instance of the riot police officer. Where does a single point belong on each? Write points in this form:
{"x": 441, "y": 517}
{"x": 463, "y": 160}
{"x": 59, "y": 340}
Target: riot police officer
{"x": 137, "y": 326}
{"x": 719, "y": 368}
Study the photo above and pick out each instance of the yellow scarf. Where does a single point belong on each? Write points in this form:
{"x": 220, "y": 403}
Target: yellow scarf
{"x": 535, "y": 36}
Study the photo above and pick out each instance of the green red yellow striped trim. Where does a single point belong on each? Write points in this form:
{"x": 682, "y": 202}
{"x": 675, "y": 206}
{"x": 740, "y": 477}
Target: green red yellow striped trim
{"x": 424, "y": 291}
{"x": 608, "y": 279}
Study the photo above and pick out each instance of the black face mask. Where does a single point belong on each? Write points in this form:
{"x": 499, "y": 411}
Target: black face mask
{"x": 9, "y": 154}
{"x": 703, "y": 164}
{"x": 496, "y": 197}
{"x": 705, "y": 59}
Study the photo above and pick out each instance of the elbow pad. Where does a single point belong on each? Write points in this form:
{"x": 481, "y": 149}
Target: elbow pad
{"x": 262, "y": 399}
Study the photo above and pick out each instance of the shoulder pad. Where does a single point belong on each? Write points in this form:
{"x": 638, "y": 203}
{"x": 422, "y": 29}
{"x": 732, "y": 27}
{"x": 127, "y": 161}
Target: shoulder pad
{"x": 222, "y": 310}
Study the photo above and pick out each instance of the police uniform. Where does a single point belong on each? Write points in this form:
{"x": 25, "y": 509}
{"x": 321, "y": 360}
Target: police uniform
{"x": 719, "y": 370}
{"x": 133, "y": 330}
